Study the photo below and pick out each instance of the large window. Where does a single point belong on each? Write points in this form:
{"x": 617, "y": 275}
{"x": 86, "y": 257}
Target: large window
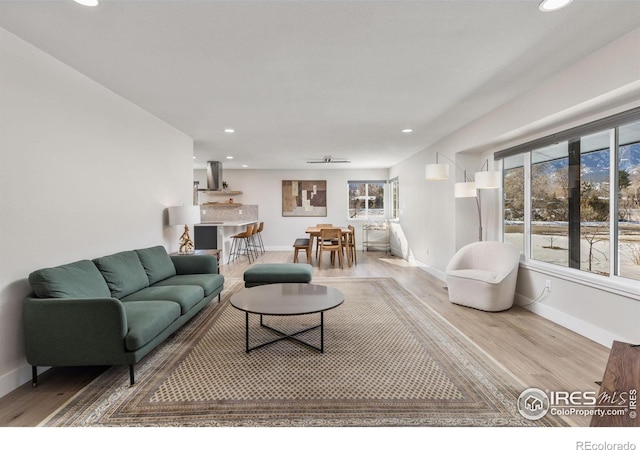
{"x": 549, "y": 204}
{"x": 514, "y": 201}
{"x": 394, "y": 185}
{"x": 366, "y": 200}
{"x": 575, "y": 197}
{"x": 628, "y": 187}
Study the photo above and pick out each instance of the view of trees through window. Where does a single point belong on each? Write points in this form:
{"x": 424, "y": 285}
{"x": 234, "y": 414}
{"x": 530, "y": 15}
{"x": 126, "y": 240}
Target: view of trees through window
{"x": 366, "y": 200}
{"x": 514, "y": 201}
{"x": 570, "y": 202}
{"x": 629, "y": 201}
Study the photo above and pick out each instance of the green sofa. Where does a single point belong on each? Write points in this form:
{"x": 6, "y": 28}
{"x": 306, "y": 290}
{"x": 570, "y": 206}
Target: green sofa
{"x": 115, "y": 309}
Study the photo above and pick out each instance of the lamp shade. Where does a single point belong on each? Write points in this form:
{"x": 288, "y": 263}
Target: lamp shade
{"x": 488, "y": 180}
{"x": 462, "y": 190}
{"x": 184, "y": 215}
{"x": 436, "y": 172}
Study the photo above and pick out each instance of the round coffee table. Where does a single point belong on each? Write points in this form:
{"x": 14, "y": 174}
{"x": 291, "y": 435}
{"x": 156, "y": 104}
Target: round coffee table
{"x": 288, "y": 299}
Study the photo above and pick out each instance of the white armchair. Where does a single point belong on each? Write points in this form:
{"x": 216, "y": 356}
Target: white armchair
{"x": 483, "y": 275}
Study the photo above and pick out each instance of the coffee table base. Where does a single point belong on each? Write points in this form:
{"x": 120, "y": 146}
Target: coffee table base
{"x": 285, "y": 335}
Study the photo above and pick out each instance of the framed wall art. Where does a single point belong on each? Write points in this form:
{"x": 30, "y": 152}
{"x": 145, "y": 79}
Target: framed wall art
{"x": 304, "y": 198}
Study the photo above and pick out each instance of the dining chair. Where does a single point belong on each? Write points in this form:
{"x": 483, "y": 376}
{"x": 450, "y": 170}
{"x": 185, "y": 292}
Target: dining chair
{"x": 331, "y": 241}
{"x": 349, "y": 244}
{"x": 320, "y": 225}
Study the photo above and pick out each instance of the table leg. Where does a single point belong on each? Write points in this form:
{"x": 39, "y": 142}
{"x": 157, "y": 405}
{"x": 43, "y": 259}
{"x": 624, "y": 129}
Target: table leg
{"x": 246, "y": 336}
{"x": 310, "y": 248}
{"x": 321, "y": 331}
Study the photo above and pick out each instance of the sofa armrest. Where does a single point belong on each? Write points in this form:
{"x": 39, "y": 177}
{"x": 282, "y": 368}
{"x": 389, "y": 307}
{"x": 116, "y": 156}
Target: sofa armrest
{"x": 193, "y": 264}
{"x": 74, "y": 331}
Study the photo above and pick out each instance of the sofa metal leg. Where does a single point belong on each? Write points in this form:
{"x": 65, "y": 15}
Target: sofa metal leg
{"x": 219, "y": 296}
{"x": 34, "y": 376}
{"x": 132, "y": 379}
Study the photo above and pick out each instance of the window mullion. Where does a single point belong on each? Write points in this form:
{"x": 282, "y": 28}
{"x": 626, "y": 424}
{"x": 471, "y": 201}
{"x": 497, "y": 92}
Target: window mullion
{"x": 614, "y": 190}
{"x": 527, "y": 206}
{"x": 574, "y": 204}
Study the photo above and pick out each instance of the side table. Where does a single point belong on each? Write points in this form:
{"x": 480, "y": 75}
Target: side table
{"x": 213, "y": 252}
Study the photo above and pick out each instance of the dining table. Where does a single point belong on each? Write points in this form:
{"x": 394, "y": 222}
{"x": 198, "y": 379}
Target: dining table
{"x": 314, "y": 234}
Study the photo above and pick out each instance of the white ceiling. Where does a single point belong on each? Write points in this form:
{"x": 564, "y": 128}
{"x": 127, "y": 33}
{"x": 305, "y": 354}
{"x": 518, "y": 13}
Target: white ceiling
{"x": 300, "y": 80}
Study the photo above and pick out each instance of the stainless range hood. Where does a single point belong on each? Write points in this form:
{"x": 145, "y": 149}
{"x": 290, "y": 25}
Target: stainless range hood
{"x": 214, "y": 176}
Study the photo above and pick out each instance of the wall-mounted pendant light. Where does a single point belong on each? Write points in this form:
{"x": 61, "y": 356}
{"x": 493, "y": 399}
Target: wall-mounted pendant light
{"x": 88, "y": 2}
{"x": 553, "y": 5}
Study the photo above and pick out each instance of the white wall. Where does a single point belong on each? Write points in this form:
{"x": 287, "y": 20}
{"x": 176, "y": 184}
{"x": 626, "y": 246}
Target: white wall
{"x": 601, "y": 84}
{"x": 264, "y": 188}
{"x": 83, "y": 173}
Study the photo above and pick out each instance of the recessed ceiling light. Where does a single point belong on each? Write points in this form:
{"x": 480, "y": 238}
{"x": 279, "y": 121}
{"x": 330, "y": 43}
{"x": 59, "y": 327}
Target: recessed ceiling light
{"x": 407, "y": 130}
{"x": 194, "y": 157}
{"x": 553, "y": 5}
{"x": 229, "y": 157}
{"x": 229, "y": 130}
{"x": 88, "y": 2}
{"x": 244, "y": 165}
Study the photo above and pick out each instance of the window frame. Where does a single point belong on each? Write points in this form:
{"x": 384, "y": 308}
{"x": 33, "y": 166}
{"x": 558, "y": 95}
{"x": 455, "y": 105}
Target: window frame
{"x": 393, "y": 212}
{"x": 612, "y": 282}
{"x": 385, "y": 193}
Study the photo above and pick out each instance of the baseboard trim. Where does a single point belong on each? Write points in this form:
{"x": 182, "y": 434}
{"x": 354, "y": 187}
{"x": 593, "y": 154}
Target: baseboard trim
{"x": 16, "y": 378}
{"x": 590, "y": 331}
{"x": 431, "y": 270}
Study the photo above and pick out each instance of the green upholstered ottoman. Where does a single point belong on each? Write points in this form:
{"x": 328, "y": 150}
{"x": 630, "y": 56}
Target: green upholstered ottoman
{"x": 261, "y": 274}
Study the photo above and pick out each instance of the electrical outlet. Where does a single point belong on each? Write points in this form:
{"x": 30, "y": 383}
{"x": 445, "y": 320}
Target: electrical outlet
{"x": 547, "y": 285}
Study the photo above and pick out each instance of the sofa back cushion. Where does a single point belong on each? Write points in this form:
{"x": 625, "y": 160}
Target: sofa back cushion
{"x": 123, "y": 272}
{"x": 80, "y": 279}
{"x": 157, "y": 263}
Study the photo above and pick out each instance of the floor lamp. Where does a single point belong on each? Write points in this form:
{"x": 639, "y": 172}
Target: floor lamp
{"x": 468, "y": 188}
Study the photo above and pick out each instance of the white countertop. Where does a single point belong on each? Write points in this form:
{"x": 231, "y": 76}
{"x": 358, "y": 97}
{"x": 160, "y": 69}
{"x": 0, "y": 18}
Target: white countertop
{"x": 227, "y": 223}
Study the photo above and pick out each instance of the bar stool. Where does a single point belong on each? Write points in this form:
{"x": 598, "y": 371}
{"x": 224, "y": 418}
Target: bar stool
{"x": 259, "y": 236}
{"x": 254, "y": 241}
{"x": 236, "y": 244}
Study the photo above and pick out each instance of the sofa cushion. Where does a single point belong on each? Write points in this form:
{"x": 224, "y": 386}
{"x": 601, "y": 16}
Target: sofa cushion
{"x": 80, "y": 279}
{"x": 259, "y": 274}
{"x": 146, "y": 320}
{"x": 124, "y": 273}
{"x": 186, "y": 296}
{"x": 157, "y": 263}
{"x": 210, "y": 282}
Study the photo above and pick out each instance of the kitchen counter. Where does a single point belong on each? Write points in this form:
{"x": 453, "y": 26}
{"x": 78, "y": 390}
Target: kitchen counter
{"x": 226, "y": 229}
{"x": 227, "y": 223}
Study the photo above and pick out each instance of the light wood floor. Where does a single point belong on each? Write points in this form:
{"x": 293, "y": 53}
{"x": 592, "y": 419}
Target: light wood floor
{"x": 540, "y": 353}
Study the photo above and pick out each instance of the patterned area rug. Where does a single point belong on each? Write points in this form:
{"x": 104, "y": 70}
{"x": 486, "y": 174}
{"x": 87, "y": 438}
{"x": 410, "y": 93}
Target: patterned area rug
{"x": 390, "y": 360}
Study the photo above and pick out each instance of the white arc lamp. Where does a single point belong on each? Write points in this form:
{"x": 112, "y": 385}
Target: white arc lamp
{"x": 184, "y": 216}
{"x": 489, "y": 179}
{"x": 467, "y": 188}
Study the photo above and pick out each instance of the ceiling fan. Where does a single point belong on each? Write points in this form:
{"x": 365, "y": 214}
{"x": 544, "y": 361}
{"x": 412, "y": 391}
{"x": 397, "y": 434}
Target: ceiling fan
{"x": 328, "y": 160}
